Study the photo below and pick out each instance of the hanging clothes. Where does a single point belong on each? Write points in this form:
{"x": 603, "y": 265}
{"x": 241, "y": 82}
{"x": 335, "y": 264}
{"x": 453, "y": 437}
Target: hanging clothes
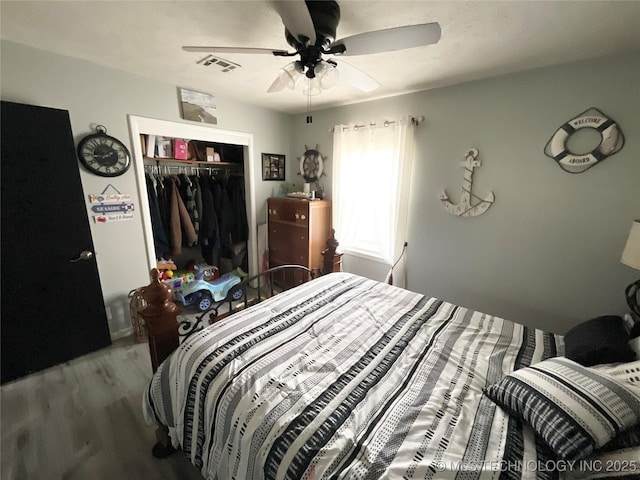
{"x": 240, "y": 226}
{"x": 160, "y": 242}
{"x": 209, "y": 227}
{"x": 164, "y": 206}
{"x": 203, "y": 210}
{"x": 180, "y": 220}
{"x": 198, "y": 200}
{"x": 186, "y": 189}
{"x": 224, "y": 210}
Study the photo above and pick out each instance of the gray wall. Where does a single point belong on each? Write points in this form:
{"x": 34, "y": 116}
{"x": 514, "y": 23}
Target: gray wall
{"x": 97, "y": 95}
{"x": 547, "y": 253}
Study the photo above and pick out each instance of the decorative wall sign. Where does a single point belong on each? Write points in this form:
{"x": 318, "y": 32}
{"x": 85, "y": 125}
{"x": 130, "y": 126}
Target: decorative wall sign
{"x": 611, "y": 141}
{"x": 110, "y": 198}
{"x": 273, "y": 166}
{"x": 121, "y": 217}
{"x": 111, "y": 207}
{"x": 470, "y": 204}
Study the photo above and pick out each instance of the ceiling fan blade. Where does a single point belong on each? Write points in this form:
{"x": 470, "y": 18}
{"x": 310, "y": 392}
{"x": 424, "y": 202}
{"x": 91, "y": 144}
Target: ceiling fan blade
{"x": 391, "y": 39}
{"x": 234, "y": 50}
{"x": 297, "y": 19}
{"x": 355, "y": 77}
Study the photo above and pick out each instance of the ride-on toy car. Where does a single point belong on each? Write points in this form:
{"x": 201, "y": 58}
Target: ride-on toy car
{"x": 202, "y": 294}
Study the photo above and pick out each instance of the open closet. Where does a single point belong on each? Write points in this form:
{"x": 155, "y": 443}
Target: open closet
{"x": 198, "y": 213}
{"x": 199, "y": 208}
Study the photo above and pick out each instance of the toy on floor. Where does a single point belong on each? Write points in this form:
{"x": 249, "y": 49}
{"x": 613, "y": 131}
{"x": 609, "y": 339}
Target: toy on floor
{"x": 202, "y": 294}
{"x": 166, "y": 275}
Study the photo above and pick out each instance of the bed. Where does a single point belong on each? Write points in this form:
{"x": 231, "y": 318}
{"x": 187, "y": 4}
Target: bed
{"x": 346, "y": 377}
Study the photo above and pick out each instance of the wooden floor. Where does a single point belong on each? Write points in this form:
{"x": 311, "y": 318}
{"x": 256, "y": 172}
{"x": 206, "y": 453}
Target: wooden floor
{"x": 83, "y": 420}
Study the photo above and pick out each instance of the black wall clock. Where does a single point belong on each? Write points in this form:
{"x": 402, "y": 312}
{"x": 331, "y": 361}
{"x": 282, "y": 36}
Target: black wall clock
{"x": 103, "y": 155}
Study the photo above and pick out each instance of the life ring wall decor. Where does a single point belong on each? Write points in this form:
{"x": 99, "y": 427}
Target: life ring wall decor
{"x": 470, "y": 204}
{"x": 611, "y": 141}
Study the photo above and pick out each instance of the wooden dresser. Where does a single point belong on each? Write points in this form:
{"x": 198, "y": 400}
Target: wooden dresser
{"x": 298, "y": 231}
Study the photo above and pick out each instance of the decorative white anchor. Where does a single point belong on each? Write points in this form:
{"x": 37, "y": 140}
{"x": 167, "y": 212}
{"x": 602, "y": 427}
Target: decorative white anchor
{"x": 465, "y": 208}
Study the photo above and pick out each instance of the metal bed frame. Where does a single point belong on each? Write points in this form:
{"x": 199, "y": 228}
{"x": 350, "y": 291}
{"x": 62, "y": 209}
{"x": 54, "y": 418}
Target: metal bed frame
{"x": 272, "y": 281}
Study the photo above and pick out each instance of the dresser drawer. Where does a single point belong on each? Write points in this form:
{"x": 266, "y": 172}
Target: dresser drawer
{"x": 287, "y": 257}
{"x": 288, "y": 243}
{"x": 293, "y": 211}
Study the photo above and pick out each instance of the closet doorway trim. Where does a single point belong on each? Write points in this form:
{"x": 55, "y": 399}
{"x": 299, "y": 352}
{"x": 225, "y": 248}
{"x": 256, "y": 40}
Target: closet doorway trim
{"x": 165, "y": 128}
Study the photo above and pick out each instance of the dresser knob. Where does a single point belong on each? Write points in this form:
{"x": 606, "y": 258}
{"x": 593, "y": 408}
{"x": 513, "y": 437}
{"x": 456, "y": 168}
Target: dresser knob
{"x": 303, "y": 217}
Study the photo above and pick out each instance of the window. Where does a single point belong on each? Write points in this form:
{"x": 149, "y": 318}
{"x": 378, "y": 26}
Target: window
{"x": 371, "y": 182}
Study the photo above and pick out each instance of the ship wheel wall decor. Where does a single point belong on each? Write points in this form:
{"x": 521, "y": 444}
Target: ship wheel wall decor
{"x": 470, "y": 204}
{"x": 311, "y": 164}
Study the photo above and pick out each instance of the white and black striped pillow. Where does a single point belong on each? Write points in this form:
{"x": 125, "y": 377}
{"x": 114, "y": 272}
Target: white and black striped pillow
{"x": 574, "y": 409}
{"x": 629, "y": 372}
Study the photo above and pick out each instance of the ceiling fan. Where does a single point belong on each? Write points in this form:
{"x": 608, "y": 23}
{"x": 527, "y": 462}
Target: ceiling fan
{"x": 310, "y": 28}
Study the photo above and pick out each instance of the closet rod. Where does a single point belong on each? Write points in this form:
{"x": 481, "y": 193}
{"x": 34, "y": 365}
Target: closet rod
{"x": 167, "y": 168}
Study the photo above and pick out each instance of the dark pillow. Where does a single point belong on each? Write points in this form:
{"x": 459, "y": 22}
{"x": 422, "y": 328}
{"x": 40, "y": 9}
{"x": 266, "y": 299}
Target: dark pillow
{"x": 575, "y": 410}
{"x": 635, "y": 331}
{"x": 599, "y": 340}
{"x": 627, "y": 439}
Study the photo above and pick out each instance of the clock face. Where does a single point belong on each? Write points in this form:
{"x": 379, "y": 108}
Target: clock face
{"x": 104, "y": 155}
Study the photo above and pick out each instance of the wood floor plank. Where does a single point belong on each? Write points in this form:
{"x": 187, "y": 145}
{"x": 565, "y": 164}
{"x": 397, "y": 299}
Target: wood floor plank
{"x": 83, "y": 420}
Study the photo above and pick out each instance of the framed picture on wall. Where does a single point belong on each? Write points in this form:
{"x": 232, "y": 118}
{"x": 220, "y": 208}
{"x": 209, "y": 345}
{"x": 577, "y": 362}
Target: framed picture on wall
{"x": 272, "y": 166}
{"x": 197, "y": 106}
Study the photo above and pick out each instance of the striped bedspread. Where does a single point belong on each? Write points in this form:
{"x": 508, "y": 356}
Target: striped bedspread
{"x": 348, "y": 378}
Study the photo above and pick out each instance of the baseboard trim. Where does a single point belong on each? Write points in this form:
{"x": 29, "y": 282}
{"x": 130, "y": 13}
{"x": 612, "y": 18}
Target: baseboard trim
{"x": 125, "y": 332}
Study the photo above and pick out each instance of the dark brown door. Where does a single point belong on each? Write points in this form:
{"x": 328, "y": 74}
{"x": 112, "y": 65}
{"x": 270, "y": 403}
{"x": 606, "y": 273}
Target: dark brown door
{"x": 52, "y": 307}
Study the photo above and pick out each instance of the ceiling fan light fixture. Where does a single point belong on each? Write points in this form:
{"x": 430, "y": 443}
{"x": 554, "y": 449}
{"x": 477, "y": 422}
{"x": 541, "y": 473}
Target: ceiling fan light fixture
{"x": 327, "y": 73}
{"x": 290, "y": 74}
{"x": 311, "y": 87}
{"x": 288, "y": 77}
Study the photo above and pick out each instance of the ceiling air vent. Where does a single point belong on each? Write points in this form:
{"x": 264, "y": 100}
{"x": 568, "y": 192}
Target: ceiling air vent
{"x": 224, "y": 65}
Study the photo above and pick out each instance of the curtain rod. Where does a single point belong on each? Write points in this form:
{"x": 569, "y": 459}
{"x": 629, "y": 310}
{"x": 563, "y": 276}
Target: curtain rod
{"x": 415, "y": 121}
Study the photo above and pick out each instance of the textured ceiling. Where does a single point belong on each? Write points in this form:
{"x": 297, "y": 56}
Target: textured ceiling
{"x": 479, "y": 40}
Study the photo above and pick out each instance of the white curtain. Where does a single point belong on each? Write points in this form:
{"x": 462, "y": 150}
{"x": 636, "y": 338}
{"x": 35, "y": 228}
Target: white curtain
{"x": 371, "y": 183}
